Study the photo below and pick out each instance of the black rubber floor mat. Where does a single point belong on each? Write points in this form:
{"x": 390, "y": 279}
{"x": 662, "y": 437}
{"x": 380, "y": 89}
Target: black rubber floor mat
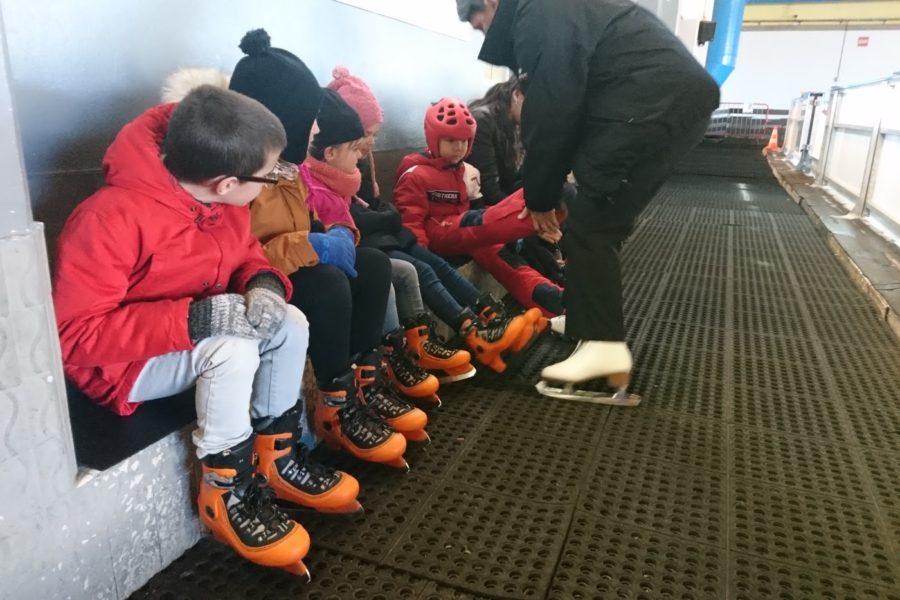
{"x": 484, "y": 543}
{"x": 761, "y": 463}
{"x": 604, "y": 559}
{"x": 812, "y": 531}
{"x": 753, "y": 578}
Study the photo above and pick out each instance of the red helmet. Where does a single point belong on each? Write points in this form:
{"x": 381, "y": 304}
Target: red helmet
{"x": 448, "y": 118}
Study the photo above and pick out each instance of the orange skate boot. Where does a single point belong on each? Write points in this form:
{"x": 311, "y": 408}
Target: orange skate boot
{"x": 289, "y": 470}
{"x": 239, "y": 512}
{"x": 342, "y": 421}
{"x": 489, "y": 340}
{"x": 449, "y": 364}
{"x": 409, "y": 378}
{"x": 490, "y": 309}
{"x": 379, "y": 395}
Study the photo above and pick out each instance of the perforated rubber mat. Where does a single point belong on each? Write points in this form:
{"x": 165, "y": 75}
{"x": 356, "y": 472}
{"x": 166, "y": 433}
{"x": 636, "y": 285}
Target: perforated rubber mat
{"x": 763, "y": 462}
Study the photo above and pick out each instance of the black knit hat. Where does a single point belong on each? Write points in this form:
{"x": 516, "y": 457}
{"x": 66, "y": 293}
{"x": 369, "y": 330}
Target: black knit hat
{"x": 338, "y": 122}
{"x": 283, "y": 84}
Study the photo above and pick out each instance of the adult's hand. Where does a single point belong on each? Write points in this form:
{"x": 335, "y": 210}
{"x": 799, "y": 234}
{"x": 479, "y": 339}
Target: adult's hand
{"x": 546, "y": 225}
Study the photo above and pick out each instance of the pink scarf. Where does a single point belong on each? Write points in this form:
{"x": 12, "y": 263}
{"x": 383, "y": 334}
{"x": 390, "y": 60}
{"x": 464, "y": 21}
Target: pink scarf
{"x": 341, "y": 183}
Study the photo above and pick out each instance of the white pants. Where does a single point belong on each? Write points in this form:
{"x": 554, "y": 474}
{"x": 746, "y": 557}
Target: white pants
{"x": 236, "y": 379}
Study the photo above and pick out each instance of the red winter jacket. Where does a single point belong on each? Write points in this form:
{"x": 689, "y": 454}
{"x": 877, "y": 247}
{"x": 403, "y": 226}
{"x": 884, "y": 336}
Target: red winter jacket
{"x": 133, "y": 256}
{"x": 432, "y": 198}
{"x": 428, "y": 190}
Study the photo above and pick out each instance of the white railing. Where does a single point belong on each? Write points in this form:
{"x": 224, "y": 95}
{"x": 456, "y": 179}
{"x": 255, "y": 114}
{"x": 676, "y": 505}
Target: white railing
{"x": 803, "y": 122}
{"x": 851, "y": 143}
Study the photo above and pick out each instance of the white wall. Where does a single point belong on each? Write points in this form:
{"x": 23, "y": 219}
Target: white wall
{"x": 774, "y": 67}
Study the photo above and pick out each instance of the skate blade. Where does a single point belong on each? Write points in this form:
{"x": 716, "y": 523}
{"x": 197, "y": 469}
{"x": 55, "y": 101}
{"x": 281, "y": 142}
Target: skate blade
{"x": 569, "y": 392}
{"x": 398, "y": 463}
{"x": 292, "y": 510}
{"x": 419, "y": 436}
{"x": 298, "y": 568}
{"x": 457, "y": 377}
{"x": 426, "y": 402}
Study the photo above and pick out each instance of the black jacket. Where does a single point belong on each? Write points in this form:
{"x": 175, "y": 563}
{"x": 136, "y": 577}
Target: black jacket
{"x": 378, "y": 223}
{"x": 494, "y": 155}
{"x": 607, "y": 86}
{"x": 380, "y": 227}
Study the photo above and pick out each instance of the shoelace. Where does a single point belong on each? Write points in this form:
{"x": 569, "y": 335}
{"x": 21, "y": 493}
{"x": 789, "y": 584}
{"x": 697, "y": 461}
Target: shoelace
{"x": 436, "y": 344}
{"x": 315, "y": 469}
{"x": 405, "y": 370}
{"x": 357, "y": 414}
{"x": 383, "y": 393}
{"x": 257, "y": 504}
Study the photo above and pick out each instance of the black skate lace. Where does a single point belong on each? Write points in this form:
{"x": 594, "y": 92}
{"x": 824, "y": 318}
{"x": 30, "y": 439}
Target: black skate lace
{"x": 380, "y": 397}
{"x": 406, "y": 371}
{"x": 437, "y": 349}
{"x": 360, "y": 421}
{"x": 490, "y": 333}
{"x": 323, "y": 477}
{"x": 495, "y": 330}
{"x": 436, "y": 344}
{"x": 257, "y": 505}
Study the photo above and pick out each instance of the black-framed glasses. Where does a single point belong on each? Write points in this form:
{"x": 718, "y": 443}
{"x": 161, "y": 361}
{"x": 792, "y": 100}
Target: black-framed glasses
{"x": 255, "y": 179}
{"x": 282, "y": 170}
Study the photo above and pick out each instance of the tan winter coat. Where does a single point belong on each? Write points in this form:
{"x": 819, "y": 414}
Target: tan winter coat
{"x": 281, "y": 219}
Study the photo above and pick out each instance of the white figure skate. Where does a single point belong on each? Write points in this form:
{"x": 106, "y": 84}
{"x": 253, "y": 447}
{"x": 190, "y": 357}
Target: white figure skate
{"x": 558, "y": 324}
{"x": 591, "y": 360}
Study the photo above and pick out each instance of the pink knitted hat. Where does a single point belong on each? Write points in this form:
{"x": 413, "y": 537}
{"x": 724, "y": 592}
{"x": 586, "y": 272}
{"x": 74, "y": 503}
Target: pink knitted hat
{"x": 357, "y": 94}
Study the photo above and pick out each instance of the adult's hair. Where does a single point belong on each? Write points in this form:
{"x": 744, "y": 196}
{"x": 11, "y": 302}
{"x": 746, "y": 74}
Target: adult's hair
{"x": 498, "y": 137}
{"x": 216, "y": 132}
{"x": 499, "y": 96}
{"x": 465, "y": 8}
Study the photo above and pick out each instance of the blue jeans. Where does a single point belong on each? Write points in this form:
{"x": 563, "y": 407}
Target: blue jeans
{"x": 235, "y": 379}
{"x": 444, "y": 290}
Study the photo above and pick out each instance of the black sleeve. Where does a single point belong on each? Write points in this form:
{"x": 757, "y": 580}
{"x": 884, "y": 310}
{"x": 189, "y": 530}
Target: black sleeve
{"x": 553, "y": 57}
{"x": 369, "y": 221}
{"x": 484, "y": 158}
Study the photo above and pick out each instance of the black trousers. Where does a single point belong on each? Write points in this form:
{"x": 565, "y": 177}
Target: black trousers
{"x": 345, "y": 314}
{"x": 599, "y": 223}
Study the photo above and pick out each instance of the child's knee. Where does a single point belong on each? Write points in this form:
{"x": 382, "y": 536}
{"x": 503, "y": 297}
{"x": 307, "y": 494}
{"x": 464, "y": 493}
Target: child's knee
{"x": 229, "y": 354}
{"x": 295, "y": 326}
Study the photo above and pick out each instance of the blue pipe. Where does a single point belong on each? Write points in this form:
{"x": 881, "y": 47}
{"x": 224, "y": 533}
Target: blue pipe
{"x": 722, "y": 55}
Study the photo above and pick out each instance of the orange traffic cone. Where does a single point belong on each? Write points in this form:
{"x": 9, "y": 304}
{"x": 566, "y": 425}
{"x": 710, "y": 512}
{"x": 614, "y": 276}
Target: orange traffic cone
{"x": 773, "y": 141}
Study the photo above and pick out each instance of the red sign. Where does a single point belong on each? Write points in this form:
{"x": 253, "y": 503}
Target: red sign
{"x": 862, "y": 41}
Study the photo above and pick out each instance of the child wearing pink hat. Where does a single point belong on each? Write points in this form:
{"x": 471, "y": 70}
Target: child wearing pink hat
{"x": 357, "y": 94}
{"x": 445, "y": 291}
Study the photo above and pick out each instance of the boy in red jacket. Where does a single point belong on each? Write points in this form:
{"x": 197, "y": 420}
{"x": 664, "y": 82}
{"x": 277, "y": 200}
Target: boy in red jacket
{"x": 160, "y": 286}
{"x": 433, "y": 191}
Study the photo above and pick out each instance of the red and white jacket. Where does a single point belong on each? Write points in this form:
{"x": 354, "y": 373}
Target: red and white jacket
{"x": 132, "y": 258}
{"x": 432, "y": 197}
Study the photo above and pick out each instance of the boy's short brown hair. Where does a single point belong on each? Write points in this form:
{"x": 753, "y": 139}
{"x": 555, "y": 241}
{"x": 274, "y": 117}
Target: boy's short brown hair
{"x": 215, "y": 132}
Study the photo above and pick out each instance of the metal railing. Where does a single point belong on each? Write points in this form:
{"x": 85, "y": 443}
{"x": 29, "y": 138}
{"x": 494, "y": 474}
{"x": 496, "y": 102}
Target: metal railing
{"x": 739, "y": 120}
{"x": 801, "y": 129}
{"x": 859, "y": 149}
{"x": 851, "y": 143}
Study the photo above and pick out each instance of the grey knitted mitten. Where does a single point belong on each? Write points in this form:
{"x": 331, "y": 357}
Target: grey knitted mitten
{"x": 223, "y": 314}
{"x": 265, "y": 304}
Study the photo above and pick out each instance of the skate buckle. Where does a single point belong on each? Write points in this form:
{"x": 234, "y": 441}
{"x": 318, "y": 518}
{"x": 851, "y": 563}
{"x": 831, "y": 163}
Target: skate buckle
{"x": 569, "y": 392}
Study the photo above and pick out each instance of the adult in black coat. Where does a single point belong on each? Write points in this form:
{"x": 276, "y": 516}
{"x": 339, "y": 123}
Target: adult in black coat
{"x": 613, "y": 96}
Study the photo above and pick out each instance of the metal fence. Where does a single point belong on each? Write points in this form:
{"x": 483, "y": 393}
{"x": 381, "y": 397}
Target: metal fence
{"x": 738, "y": 120}
{"x": 851, "y": 142}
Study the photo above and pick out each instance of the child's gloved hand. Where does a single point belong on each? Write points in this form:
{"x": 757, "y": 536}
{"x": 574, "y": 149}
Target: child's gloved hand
{"x": 336, "y": 248}
{"x": 223, "y": 314}
{"x": 265, "y": 304}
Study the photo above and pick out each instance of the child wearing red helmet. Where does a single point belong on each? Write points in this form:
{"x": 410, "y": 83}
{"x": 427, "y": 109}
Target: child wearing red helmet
{"x": 433, "y": 194}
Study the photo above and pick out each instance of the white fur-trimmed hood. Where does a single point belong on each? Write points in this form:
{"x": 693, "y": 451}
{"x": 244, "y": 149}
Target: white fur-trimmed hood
{"x": 177, "y": 85}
